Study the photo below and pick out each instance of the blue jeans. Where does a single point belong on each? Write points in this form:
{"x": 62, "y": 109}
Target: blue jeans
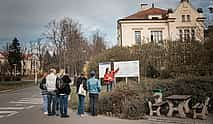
{"x": 51, "y": 96}
{"x": 57, "y": 104}
{"x": 93, "y": 101}
{"x": 63, "y": 104}
{"x": 45, "y": 103}
{"x": 109, "y": 87}
{"x": 81, "y": 104}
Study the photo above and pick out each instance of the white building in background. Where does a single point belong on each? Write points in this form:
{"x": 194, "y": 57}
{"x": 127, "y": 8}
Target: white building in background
{"x": 210, "y": 14}
{"x": 158, "y": 25}
{"x": 27, "y": 64}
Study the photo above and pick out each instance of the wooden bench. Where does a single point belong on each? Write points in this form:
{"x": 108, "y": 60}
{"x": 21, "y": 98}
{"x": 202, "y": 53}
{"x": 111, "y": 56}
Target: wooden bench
{"x": 200, "y": 110}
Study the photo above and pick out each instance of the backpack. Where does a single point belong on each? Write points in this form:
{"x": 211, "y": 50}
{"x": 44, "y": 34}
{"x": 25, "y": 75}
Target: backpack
{"x": 60, "y": 83}
{"x": 42, "y": 85}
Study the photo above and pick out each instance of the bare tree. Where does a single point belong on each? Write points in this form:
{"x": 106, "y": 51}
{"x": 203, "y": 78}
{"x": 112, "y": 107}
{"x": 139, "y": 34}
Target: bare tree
{"x": 70, "y": 45}
{"x": 98, "y": 43}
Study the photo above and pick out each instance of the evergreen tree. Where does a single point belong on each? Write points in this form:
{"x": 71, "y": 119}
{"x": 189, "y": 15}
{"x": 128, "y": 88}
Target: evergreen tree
{"x": 47, "y": 61}
{"x": 15, "y": 56}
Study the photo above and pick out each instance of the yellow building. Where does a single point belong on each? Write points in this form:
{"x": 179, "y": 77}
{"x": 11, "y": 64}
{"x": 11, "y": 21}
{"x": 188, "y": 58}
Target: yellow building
{"x": 159, "y": 25}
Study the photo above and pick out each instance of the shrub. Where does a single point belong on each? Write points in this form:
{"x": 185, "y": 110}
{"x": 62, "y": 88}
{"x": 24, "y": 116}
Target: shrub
{"x": 130, "y": 101}
{"x": 125, "y": 101}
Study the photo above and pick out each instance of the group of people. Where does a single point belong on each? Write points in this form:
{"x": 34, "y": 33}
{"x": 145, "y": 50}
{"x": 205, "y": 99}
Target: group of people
{"x": 109, "y": 78}
{"x": 93, "y": 87}
{"x": 55, "y": 89}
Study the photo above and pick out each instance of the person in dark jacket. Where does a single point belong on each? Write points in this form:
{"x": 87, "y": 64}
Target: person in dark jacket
{"x": 43, "y": 88}
{"x": 81, "y": 89}
{"x": 63, "y": 91}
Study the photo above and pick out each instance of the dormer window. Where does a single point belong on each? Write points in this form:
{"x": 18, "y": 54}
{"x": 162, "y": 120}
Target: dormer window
{"x": 155, "y": 17}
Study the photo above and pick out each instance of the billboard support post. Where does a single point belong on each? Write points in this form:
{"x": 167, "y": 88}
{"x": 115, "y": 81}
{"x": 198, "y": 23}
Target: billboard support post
{"x": 126, "y": 80}
{"x": 139, "y": 79}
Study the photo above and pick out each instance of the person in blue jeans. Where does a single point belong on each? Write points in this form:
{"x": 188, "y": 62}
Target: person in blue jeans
{"x": 81, "y": 85}
{"x": 63, "y": 91}
{"x": 51, "y": 91}
{"x": 43, "y": 88}
{"x": 94, "y": 88}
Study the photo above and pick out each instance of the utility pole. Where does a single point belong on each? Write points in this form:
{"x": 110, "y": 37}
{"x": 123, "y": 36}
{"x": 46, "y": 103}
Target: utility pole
{"x": 36, "y": 77}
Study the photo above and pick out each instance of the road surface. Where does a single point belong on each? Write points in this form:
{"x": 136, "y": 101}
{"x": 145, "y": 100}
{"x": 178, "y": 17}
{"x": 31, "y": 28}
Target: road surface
{"x": 24, "y": 107}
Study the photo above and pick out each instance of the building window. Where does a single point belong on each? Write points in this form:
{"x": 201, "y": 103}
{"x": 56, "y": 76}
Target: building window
{"x": 183, "y": 18}
{"x": 181, "y": 35}
{"x": 188, "y": 18}
{"x": 186, "y": 35}
{"x": 138, "y": 37}
{"x": 156, "y": 36}
{"x": 193, "y": 34}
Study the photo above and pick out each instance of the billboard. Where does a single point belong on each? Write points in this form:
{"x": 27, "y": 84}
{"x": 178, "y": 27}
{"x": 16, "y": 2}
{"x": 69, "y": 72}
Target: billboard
{"x": 102, "y": 68}
{"x": 127, "y": 69}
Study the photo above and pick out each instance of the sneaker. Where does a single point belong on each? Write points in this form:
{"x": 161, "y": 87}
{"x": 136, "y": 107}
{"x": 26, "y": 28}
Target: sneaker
{"x": 46, "y": 113}
{"x": 65, "y": 116}
{"x": 82, "y": 115}
{"x": 49, "y": 114}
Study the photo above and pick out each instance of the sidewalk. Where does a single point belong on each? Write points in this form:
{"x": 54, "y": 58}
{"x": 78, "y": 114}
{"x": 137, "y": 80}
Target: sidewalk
{"x": 173, "y": 120}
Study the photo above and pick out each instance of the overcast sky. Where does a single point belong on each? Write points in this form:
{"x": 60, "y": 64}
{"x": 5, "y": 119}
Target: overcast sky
{"x": 25, "y": 19}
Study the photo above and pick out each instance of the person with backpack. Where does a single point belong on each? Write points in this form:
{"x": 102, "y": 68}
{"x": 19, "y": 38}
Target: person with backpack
{"x": 94, "y": 88}
{"x": 81, "y": 90}
{"x": 43, "y": 88}
{"x": 51, "y": 91}
{"x": 63, "y": 91}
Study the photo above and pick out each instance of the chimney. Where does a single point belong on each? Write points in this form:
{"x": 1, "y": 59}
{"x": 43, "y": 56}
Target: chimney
{"x": 144, "y": 6}
{"x": 153, "y": 5}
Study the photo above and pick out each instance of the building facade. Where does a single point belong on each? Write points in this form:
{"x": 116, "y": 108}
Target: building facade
{"x": 27, "y": 64}
{"x": 159, "y": 25}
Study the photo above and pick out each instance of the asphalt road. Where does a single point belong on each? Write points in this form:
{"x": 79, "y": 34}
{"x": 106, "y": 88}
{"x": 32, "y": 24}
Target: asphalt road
{"x": 24, "y": 107}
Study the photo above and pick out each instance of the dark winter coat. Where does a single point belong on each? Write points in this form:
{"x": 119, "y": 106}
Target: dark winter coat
{"x": 43, "y": 86}
{"x": 66, "y": 90}
{"x": 81, "y": 80}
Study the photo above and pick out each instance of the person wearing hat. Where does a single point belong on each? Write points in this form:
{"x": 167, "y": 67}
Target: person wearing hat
{"x": 94, "y": 88}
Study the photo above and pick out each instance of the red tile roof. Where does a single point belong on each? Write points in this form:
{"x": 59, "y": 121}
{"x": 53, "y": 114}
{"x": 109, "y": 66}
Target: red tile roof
{"x": 143, "y": 14}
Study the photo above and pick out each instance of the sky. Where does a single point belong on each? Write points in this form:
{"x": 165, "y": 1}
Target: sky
{"x": 26, "y": 19}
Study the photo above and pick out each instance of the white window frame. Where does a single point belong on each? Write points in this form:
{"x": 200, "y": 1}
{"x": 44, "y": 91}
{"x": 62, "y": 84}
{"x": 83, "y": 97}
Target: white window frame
{"x": 156, "y": 36}
{"x": 137, "y": 35}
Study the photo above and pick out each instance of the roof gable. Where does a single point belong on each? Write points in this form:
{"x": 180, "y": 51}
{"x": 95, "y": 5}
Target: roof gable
{"x": 143, "y": 14}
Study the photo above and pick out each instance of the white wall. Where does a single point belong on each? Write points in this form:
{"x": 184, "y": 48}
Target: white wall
{"x": 145, "y": 26}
